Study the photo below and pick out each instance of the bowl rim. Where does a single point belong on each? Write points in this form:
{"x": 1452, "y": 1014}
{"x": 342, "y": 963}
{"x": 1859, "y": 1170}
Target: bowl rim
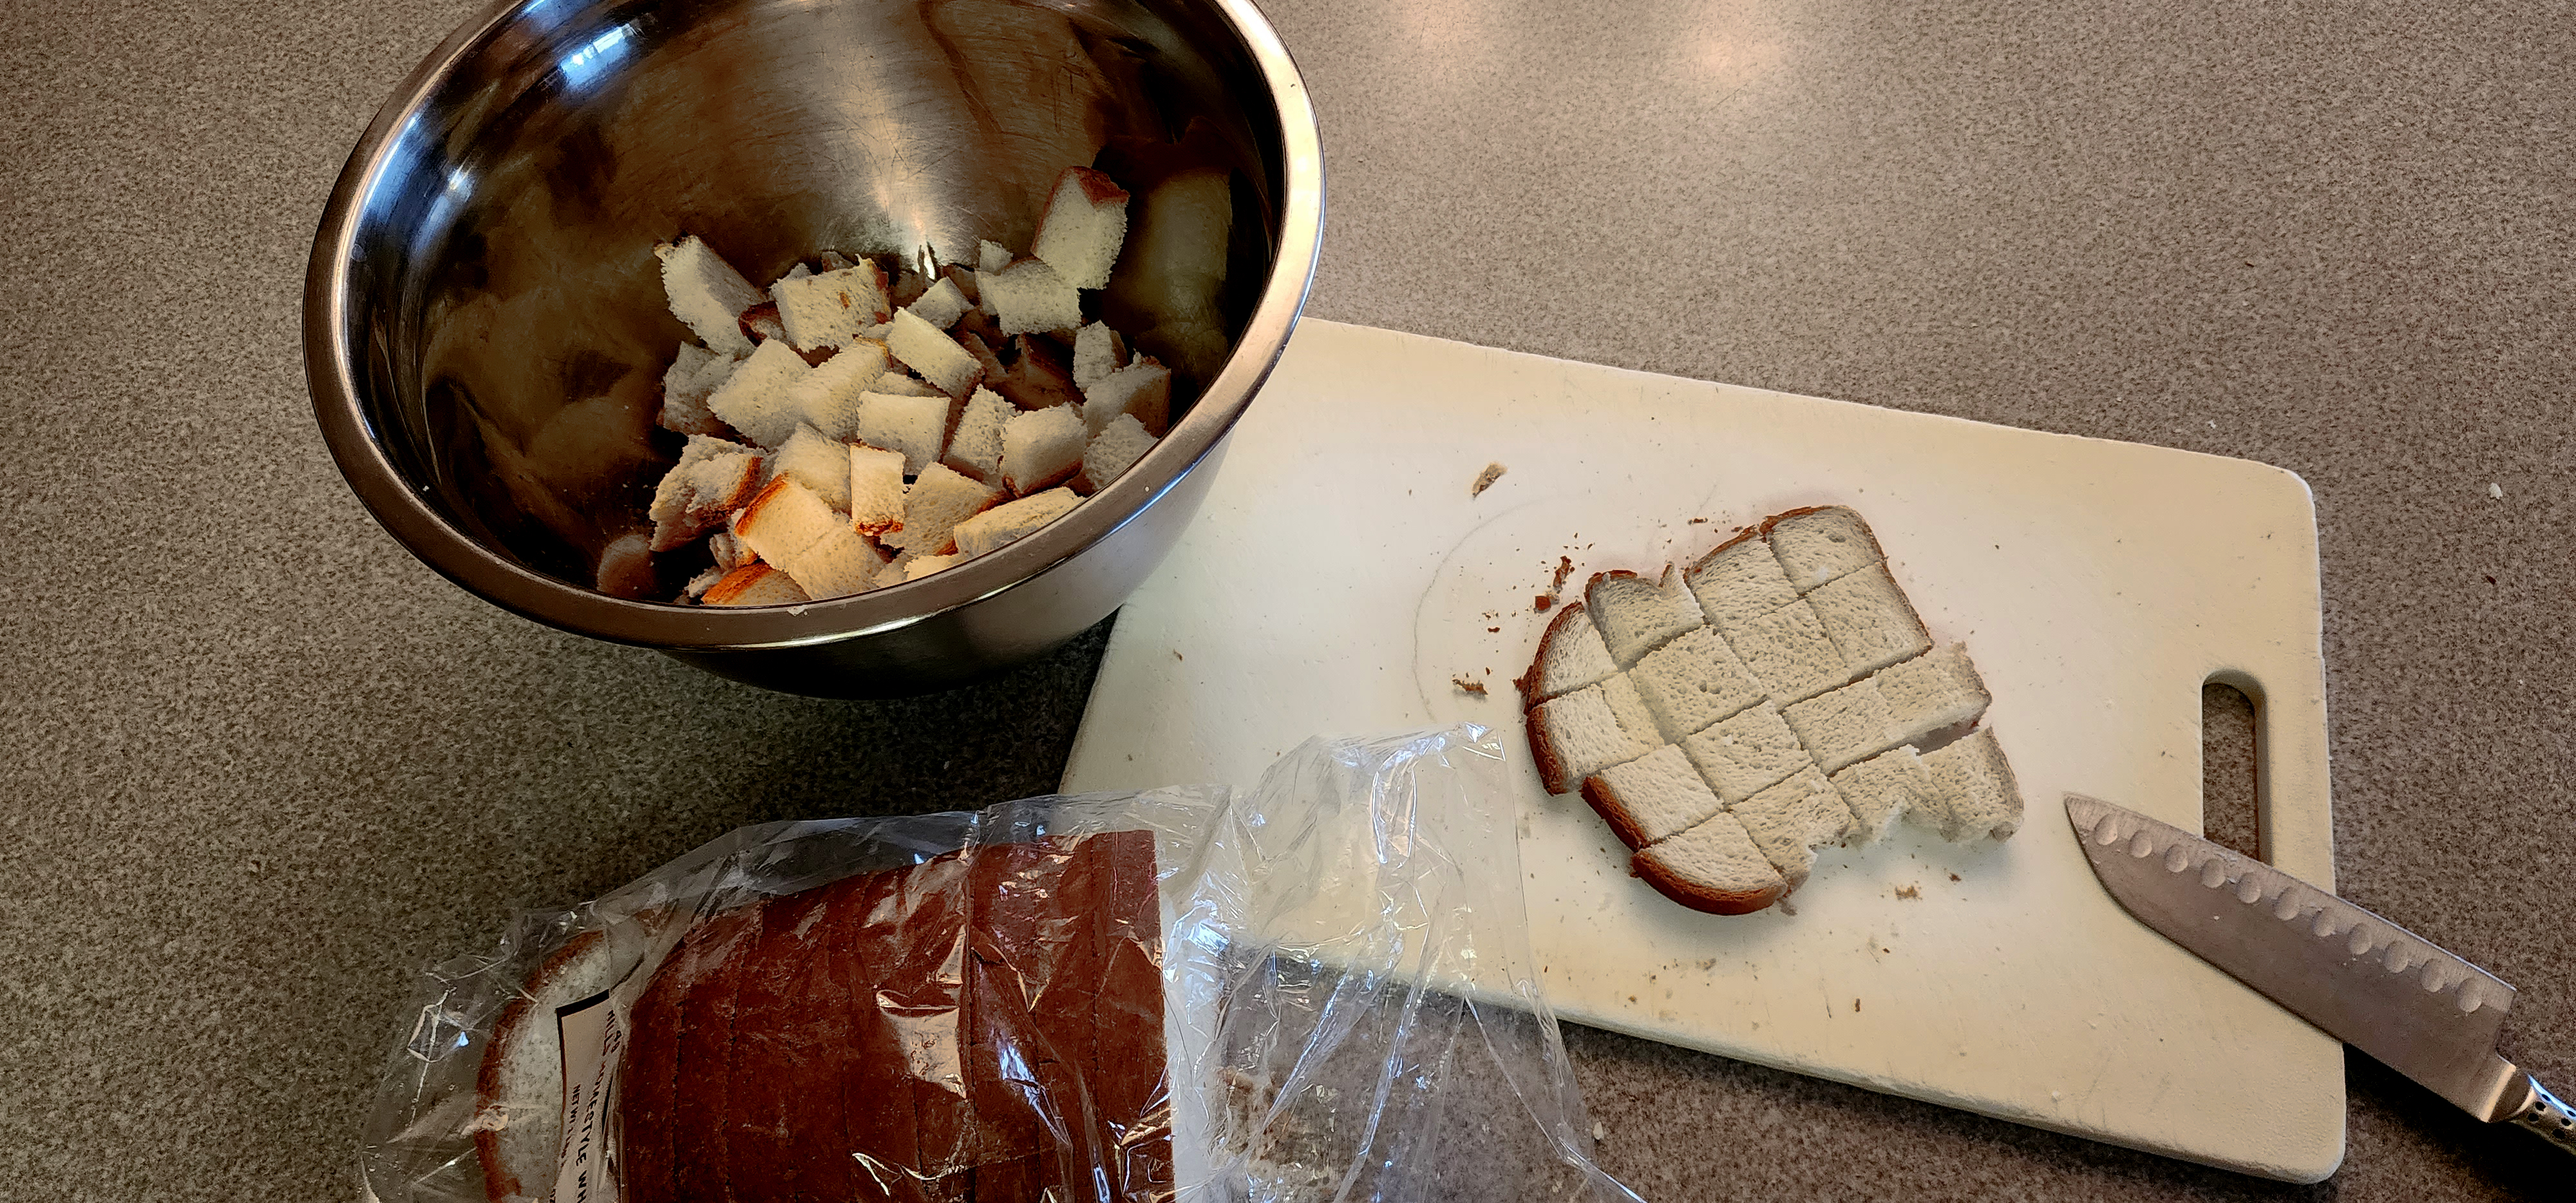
{"x": 330, "y": 373}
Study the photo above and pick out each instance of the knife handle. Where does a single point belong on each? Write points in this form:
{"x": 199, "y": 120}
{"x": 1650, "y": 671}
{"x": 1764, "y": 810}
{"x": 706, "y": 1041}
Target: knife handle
{"x": 2546, "y": 1114}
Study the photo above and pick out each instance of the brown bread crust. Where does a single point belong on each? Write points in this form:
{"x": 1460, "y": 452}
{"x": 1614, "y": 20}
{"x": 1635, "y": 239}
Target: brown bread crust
{"x": 1604, "y": 798}
{"x": 1700, "y": 897}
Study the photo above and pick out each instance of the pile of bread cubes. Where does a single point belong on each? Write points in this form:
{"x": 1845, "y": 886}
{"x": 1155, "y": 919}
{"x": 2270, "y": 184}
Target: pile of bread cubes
{"x": 851, "y": 428}
{"x": 1729, "y": 719}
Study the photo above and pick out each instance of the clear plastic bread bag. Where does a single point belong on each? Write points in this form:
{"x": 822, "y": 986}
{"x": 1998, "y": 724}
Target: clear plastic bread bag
{"x": 1319, "y": 989}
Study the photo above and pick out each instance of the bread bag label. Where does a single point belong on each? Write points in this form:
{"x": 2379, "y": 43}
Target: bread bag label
{"x": 594, "y": 1039}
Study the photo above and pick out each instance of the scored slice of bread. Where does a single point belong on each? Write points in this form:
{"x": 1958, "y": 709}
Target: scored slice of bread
{"x": 915, "y": 426}
{"x": 1714, "y": 867}
{"x": 1883, "y": 789}
{"x": 1654, "y": 796}
{"x": 1142, "y": 390}
{"x": 1977, "y": 793}
{"x": 1041, "y": 449}
{"x": 1012, "y": 521}
{"x": 1869, "y": 620}
{"x": 712, "y": 478}
{"x": 1788, "y": 651}
{"x": 827, "y": 398}
{"x": 518, "y": 1086}
{"x": 755, "y": 584}
{"x": 976, "y": 448}
{"x": 1085, "y": 224}
{"x": 941, "y": 304}
{"x": 929, "y": 350}
{"x": 1739, "y": 582}
{"x": 1820, "y": 544}
{"x": 1637, "y": 615}
{"x": 1097, "y": 351}
{"x": 1743, "y": 755}
{"x": 1790, "y": 820}
{"x": 876, "y": 490}
{"x": 759, "y": 398}
{"x": 1845, "y": 725}
{"x": 695, "y": 374}
{"x": 1937, "y": 689}
{"x": 1028, "y": 297}
{"x": 1578, "y": 734}
{"x": 1692, "y": 682}
{"x": 706, "y": 294}
{"x": 1570, "y": 656}
{"x": 1111, "y": 453}
{"x": 828, "y": 310}
{"x": 818, "y": 462}
{"x": 934, "y": 505}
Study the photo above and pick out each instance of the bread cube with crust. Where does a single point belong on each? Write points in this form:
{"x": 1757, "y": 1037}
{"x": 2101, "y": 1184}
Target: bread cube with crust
{"x": 1973, "y": 785}
{"x": 1577, "y": 734}
{"x": 896, "y": 384}
{"x": 922, "y": 566}
{"x": 1743, "y": 755}
{"x": 992, "y": 256}
{"x": 1637, "y": 615}
{"x": 1097, "y": 351}
{"x": 1036, "y": 377}
{"x": 712, "y": 478}
{"x": 1869, "y": 619}
{"x": 1012, "y": 521}
{"x": 828, "y": 310}
{"x": 1656, "y": 795}
{"x": 836, "y": 565}
{"x": 1694, "y": 681}
{"x": 1028, "y": 297}
{"x": 1739, "y": 582}
{"x": 915, "y": 426}
{"x": 759, "y": 398}
{"x": 706, "y": 294}
{"x": 1713, "y": 867}
{"x": 1571, "y": 655}
{"x": 783, "y": 519}
{"x": 1821, "y": 544}
{"x": 695, "y": 374}
{"x": 1885, "y": 788}
{"x": 755, "y": 584}
{"x": 876, "y": 490}
{"x": 934, "y": 505}
{"x": 1937, "y": 689}
{"x": 1085, "y": 224}
{"x": 941, "y": 304}
{"x": 827, "y": 399}
{"x": 976, "y": 448}
{"x": 1789, "y": 652}
{"x": 1790, "y": 820}
{"x": 927, "y": 349}
{"x": 1111, "y": 453}
{"x": 1142, "y": 389}
{"x": 1041, "y": 449}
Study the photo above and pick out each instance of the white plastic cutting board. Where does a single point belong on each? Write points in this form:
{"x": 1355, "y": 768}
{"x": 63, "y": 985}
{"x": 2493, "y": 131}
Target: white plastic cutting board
{"x": 1340, "y": 576}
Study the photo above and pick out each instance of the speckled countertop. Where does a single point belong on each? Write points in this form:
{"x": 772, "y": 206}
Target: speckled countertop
{"x": 262, "y": 765}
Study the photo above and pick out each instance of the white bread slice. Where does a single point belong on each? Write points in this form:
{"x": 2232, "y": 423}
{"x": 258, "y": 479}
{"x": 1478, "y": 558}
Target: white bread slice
{"x": 1578, "y": 734}
{"x": 1142, "y": 389}
{"x": 1085, "y": 224}
{"x": 1883, "y": 789}
{"x": 756, "y": 584}
{"x": 1869, "y": 620}
{"x": 694, "y": 373}
{"x": 759, "y": 398}
{"x": 1029, "y": 297}
{"x": 1739, "y": 582}
{"x": 1002, "y": 524}
{"x": 935, "y": 504}
{"x": 1790, "y": 820}
{"x": 1112, "y": 452}
{"x": 992, "y": 257}
{"x": 1041, "y": 449}
{"x": 706, "y": 294}
{"x": 941, "y": 304}
{"x": 876, "y": 490}
{"x": 784, "y": 519}
{"x": 1570, "y": 656}
{"x": 1743, "y": 755}
{"x": 927, "y": 349}
{"x": 1843, "y": 726}
{"x": 922, "y": 566}
{"x": 976, "y": 448}
{"x": 712, "y": 478}
{"x": 830, "y": 309}
{"x": 1975, "y": 788}
{"x": 1713, "y": 867}
{"x": 896, "y": 384}
{"x": 1937, "y": 689}
{"x": 1821, "y": 544}
{"x": 1694, "y": 681}
{"x": 519, "y": 1084}
{"x": 1097, "y": 351}
{"x": 1789, "y": 652}
{"x": 915, "y": 426}
{"x": 828, "y": 397}
{"x": 818, "y": 462}
{"x": 1651, "y": 797}
{"x": 1637, "y": 615}
{"x": 836, "y": 565}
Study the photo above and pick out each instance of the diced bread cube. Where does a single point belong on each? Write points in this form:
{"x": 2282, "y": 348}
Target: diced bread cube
{"x": 730, "y": 552}
{"x": 1789, "y": 652}
{"x": 1841, "y": 726}
{"x": 964, "y": 280}
{"x": 1815, "y": 546}
{"x": 935, "y": 504}
{"x": 876, "y": 490}
{"x": 1869, "y": 620}
{"x": 1036, "y": 378}
{"x": 817, "y": 462}
{"x": 1012, "y": 521}
{"x": 1637, "y": 615}
{"x": 1112, "y": 452}
{"x": 1041, "y": 449}
{"x": 1029, "y": 297}
{"x": 976, "y": 448}
{"x": 1790, "y": 820}
{"x": 1937, "y": 689}
{"x": 759, "y": 399}
{"x": 992, "y": 256}
{"x": 828, "y": 397}
{"x": 927, "y": 349}
{"x": 1651, "y": 797}
{"x": 1578, "y": 734}
{"x": 1097, "y": 351}
{"x": 836, "y": 565}
{"x": 922, "y": 566}
{"x": 755, "y": 584}
{"x": 1743, "y": 755}
{"x": 1713, "y": 867}
{"x": 1085, "y": 224}
{"x": 915, "y": 426}
{"x": 694, "y": 374}
{"x": 1694, "y": 681}
{"x": 940, "y": 305}
{"x": 1570, "y": 656}
{"x": 830, "y": 309}
{"x": 1974, "y": 785}
{"x": 1142, "y": 389}
{"x": 784, "y": 519}
{"x": 896, "y": 384}
{"x": 712, "y": 478}
{"x": 1739, "y": 582}
{"x": 1883, "y": 789}
{"x": 699, "y": 584}
{"x": 706, "y": 294}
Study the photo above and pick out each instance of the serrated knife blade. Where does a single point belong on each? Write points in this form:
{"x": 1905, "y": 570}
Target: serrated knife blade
{"x": 2364, "y": 980}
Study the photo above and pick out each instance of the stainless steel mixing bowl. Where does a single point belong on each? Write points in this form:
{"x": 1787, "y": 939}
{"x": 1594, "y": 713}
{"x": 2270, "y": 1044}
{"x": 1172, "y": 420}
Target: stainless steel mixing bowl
{"x": 485, "y": 329}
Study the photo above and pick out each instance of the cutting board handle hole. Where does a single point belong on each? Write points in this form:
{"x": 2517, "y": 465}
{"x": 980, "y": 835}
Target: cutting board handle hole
{"x": 2231, "y": 763}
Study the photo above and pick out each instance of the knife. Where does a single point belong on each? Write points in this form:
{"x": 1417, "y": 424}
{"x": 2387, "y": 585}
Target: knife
{"x": 2366, "y": 981}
